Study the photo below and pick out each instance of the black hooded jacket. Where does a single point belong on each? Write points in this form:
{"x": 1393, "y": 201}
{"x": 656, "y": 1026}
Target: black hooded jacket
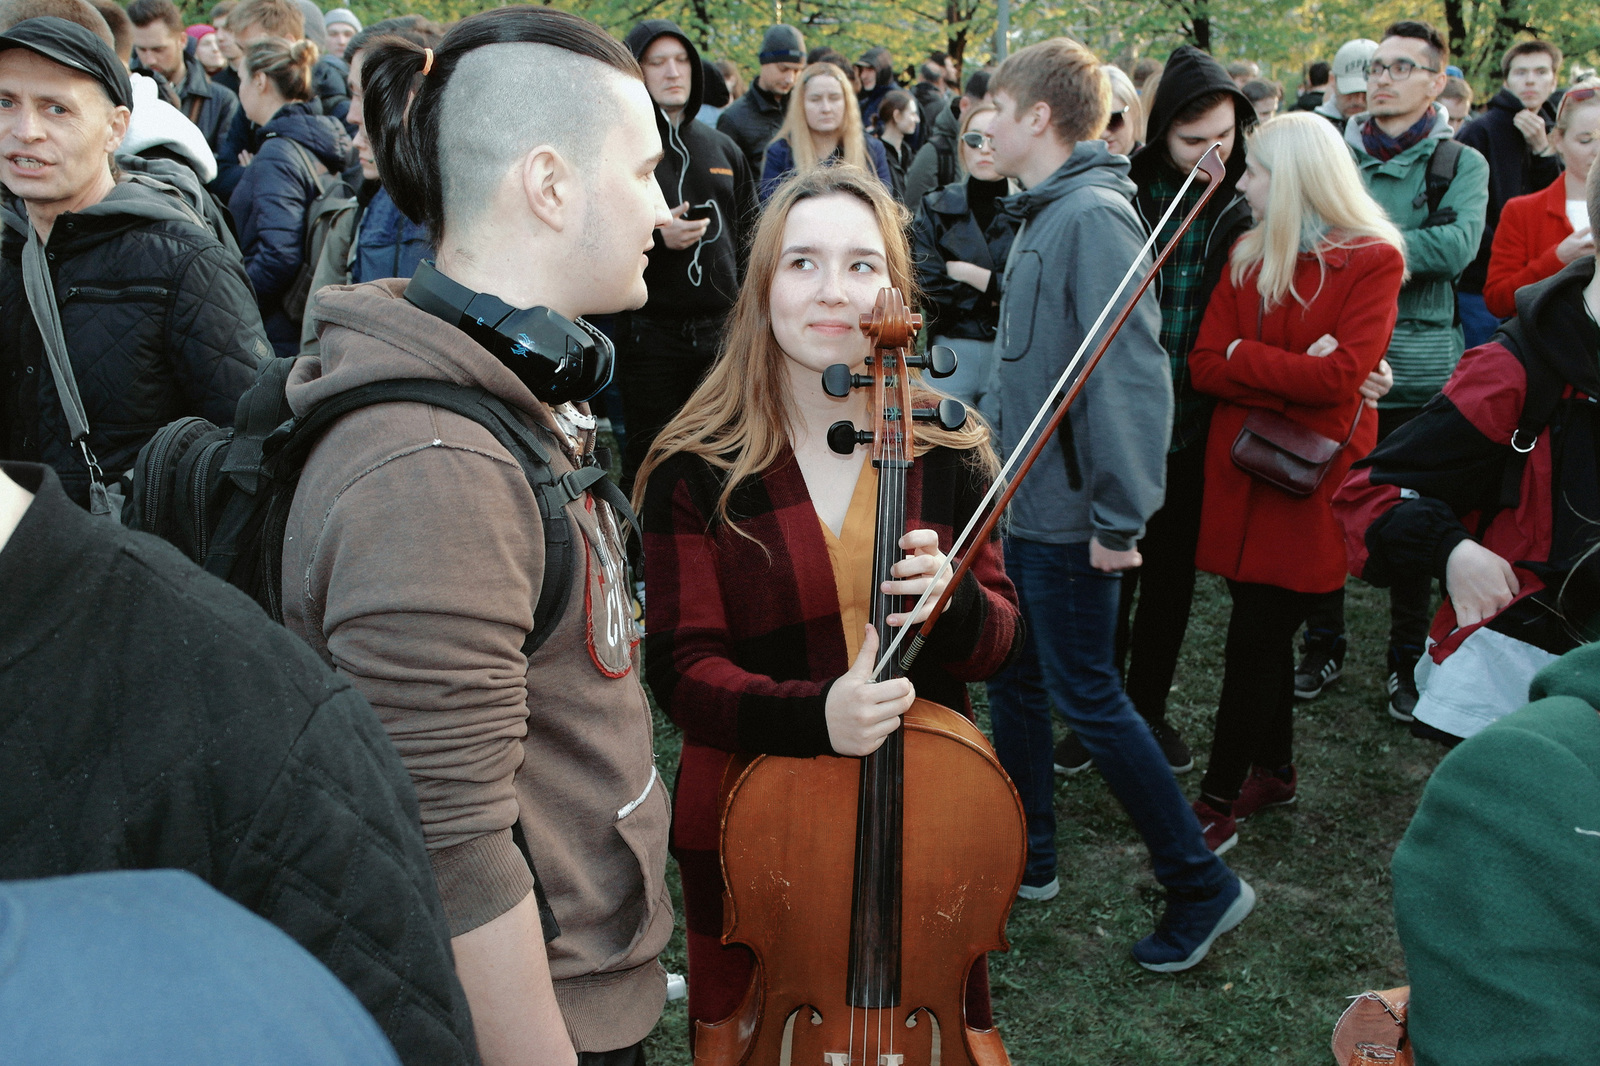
{"x": 709, "y": 171}
{"x": 1513, "y": 169}
{"x": 752, "y": 121}
{"x": 1189, "y": 75}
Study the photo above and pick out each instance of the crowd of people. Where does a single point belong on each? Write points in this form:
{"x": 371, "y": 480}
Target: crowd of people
{"x": 419, "y": 300}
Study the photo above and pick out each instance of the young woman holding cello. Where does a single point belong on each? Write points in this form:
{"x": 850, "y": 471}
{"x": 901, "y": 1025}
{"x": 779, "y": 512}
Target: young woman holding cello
{"x": 759, "y": 544}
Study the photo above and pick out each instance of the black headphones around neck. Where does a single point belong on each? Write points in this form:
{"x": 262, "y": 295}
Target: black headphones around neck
{"x": 558, "y": 359}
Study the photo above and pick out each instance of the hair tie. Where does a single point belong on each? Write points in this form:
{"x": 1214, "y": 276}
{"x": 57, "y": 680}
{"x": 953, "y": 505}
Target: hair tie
{"x": 427, "y": 61}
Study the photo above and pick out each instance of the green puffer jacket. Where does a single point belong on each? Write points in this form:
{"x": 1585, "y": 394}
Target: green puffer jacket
{"x": 1427, "y": 341}
{"x": 1494, "y": 884}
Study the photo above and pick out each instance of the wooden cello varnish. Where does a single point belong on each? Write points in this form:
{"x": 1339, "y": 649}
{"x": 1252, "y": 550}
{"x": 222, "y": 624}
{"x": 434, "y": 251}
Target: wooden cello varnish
{"x": 867, "y": 888}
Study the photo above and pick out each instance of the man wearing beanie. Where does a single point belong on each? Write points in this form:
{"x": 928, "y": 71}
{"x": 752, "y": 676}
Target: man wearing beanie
{"x": 341, "y": 25}
{"x": 753, "y": 119}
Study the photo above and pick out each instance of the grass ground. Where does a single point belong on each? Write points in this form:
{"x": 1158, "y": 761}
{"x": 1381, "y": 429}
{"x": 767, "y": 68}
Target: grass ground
{"x": 1068, "y": 992}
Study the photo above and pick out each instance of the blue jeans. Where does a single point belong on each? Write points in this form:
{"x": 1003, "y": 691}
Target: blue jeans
{"x": 1477, "y": 324}
{"x": 1070, "y": 611}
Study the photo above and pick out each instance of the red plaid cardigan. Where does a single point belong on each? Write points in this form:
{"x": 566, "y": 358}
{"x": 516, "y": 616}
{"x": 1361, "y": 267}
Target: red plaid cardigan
{"x": 744, "y": 639}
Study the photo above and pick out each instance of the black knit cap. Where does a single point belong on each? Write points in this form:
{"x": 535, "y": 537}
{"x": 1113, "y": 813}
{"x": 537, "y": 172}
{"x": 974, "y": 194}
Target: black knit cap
{"x": 783, "y": 44}
{"x": 73, "y": 46}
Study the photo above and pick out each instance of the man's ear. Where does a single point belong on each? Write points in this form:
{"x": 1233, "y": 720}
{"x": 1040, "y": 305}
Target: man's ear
{"x": 117, "y": 128}
{"x": 549, "y": 186}
{"x": 1038, "y": 120}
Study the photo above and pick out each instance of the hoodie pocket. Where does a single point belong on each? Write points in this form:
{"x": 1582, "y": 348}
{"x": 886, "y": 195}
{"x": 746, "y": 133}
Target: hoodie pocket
{"x": 642, "y": 825}
{"x": 1024, "y": 271}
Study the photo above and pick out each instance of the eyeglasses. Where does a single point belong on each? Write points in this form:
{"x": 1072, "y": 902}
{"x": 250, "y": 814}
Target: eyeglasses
{"x": 1117, "y": 120}
{"x": 1573, "y": 96}
{"x": 977, "y": 141}
{"x": 1399, "y": 70}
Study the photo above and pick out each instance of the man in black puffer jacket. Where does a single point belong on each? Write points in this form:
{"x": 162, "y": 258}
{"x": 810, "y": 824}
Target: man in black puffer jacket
{"x": 155, "y": 718}
{"x": 158, "y": 317}
{"x": 753, "y": 119}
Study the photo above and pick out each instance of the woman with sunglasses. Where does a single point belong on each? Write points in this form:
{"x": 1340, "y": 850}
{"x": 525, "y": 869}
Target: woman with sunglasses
{"x": 1543, "y": 231}
{"x": 1124, "y": 132}
{"x": 960, "y": 241}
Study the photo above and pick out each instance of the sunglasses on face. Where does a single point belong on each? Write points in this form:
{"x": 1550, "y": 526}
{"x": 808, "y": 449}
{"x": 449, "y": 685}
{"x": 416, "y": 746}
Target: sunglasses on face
{"x": 977, "y": 141}
{"x": 1117, "y": 120}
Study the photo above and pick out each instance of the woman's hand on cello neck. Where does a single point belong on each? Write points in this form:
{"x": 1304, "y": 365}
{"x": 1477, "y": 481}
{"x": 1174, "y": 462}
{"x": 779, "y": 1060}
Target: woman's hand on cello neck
{"x": 861, "y": 712}
{"x": 924, "y": 565}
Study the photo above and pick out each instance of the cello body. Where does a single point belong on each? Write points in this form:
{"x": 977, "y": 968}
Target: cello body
{"x": 789, "y": 840}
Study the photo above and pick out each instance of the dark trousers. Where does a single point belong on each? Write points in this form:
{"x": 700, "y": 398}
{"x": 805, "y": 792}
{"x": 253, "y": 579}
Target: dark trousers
{"x": 1149, "y": 641}
{"x": 1066, "y": 658}
{"x": 1409, "y": 596}
{"x": 1255, "y": 717}
{"x": 660, "y": 362}
{"x": 623, "y": 1056}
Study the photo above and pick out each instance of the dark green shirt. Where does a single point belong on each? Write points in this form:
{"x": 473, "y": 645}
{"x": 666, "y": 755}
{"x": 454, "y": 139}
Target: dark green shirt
{"x": 1183, "y": 305}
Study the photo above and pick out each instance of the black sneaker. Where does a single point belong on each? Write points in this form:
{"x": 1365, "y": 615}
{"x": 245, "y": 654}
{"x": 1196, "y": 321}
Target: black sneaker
{"x": 1172, "y": 746}
{"x": 1071, "y": 756}
{"x": 1403, "y": 683}
{"x": 1321, "y": 664}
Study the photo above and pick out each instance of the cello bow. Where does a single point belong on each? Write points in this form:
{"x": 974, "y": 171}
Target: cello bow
{"x": 1211, "y": 165}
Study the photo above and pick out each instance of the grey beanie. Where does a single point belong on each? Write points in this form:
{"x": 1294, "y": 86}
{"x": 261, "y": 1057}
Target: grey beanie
{"x": 315, "y": 33}
{"x": 783, "y": 44}
{"x": 342, "y": 16}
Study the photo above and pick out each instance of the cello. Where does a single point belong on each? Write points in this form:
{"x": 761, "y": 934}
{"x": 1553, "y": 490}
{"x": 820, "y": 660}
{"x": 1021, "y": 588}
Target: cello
{"x": 867, "y": 913}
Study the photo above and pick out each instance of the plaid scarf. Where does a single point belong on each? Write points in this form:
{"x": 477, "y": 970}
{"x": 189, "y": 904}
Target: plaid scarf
{"x": 1382, "y": 147}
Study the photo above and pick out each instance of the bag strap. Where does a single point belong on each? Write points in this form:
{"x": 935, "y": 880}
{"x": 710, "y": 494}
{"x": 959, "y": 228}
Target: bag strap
{"x": 1539, "y": 403}
{"x": 1441, "y": 172}
{"x": 47, "y": 314}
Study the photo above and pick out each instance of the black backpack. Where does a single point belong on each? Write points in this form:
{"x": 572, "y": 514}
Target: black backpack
{"x": 332, "y": 201}
{"x": 222, "y": 496}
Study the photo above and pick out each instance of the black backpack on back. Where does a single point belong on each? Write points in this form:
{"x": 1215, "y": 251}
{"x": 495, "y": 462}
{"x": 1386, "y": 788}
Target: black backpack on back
{"x": 222, "y": 496}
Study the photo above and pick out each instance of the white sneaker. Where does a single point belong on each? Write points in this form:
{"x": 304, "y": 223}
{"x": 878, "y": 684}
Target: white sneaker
{"x": 1042, "y": 892}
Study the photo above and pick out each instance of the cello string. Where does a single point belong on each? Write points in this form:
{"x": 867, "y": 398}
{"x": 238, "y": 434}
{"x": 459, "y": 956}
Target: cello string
{"x": 998, "y": 484}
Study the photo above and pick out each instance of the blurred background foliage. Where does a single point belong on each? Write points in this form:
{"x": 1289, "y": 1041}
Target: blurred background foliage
{"x": 1281, "y": 35}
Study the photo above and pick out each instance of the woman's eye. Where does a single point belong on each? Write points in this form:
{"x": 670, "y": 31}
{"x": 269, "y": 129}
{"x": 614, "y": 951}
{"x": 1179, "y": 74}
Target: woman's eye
{"x": 863, "y": 267}
{"x": 801, "y": 263}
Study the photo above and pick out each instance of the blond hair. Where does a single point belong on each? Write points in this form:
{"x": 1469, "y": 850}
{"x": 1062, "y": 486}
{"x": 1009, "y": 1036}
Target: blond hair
{"x": 742, "y": 416}
{"x": 852, "y": 140}
{"x": 1564, "y": 110}
{"x": 1317, "y": 202}
{"x": 1123, "y": 92}
{"x": 287, "y": 64}
{"x": 1064, "y": 74}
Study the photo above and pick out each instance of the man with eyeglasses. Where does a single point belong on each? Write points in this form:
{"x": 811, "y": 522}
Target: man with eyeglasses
{"x": 1394, "y": 143}
{"x": 1513, "y": 134}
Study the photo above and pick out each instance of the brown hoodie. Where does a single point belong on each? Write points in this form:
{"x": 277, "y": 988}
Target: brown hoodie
{"x": 413, "y": 558}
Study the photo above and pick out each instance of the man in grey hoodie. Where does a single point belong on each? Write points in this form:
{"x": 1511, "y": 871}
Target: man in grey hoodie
{"x": 1076, "y": 520}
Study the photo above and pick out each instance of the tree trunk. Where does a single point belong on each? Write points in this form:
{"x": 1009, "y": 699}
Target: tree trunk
{"x": 1456, "y": 28}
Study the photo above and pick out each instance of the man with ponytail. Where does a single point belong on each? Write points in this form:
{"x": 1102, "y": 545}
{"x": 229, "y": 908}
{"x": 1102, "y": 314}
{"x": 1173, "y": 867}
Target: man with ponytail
{"x": 416, "y": 551}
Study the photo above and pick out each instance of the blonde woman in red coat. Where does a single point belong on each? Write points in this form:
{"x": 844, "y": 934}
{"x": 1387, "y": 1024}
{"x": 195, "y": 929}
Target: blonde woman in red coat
{"x": 1294, "y": 329}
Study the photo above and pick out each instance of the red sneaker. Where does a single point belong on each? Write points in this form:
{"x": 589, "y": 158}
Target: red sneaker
{"x": 1263, "y": 789}
{"x": 1221, "y": 830}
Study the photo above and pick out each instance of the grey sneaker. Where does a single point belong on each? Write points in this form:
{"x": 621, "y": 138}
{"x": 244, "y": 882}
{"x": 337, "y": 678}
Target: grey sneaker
{"x": 1040, "y": 893}
{"x": 1321, "y": 664}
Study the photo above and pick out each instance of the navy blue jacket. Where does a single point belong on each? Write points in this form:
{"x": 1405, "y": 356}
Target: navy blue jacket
{"x": 270, "y": 202}
{"x": 780, "y": 164}
{"x": 388, "y": 244}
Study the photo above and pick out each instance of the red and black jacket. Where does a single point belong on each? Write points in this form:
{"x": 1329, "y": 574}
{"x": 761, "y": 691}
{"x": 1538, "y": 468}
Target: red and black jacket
{"x": 1463, "y": 468}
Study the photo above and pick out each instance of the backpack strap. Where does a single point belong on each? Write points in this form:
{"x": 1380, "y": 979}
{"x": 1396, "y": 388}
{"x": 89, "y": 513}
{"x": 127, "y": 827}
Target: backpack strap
{"x": 292, "y": 442}
{"x": 1540, "y": 399}
{"x": 1441, "y": 172}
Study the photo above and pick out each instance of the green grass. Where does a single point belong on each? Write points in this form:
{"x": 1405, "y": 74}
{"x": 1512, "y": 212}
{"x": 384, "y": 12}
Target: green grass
{"x": 1068, "y": 992}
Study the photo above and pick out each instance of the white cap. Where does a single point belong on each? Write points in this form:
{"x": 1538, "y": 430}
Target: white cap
{"x": 1350, "y": 65}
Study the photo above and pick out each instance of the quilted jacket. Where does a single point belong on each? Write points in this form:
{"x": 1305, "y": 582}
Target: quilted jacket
{"x": 159, "y": 321}
{"x": 270, "y": 205}
{"x": 154, "y": 717}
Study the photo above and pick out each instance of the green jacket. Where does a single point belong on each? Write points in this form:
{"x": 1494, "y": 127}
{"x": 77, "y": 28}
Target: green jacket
{"x": 1496, "y": 883}
{"x": 1427, "y": 340}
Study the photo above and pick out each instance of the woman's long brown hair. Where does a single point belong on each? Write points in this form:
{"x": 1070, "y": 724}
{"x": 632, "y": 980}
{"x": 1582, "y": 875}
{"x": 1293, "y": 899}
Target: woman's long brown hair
{"x": 741, "y": 417}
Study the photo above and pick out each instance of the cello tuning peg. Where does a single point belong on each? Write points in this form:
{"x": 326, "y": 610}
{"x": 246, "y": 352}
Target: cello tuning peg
{"x": 837, "y": 381}
{"x": 843, "y": 437}
{"x": 950, "y": 414}
{"x": 940, "y": 362}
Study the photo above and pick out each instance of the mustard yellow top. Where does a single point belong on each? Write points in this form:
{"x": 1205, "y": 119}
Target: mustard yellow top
{"x": 850, "y": 555}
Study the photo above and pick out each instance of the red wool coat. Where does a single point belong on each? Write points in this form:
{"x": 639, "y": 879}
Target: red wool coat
{"x": 1249, "y": 530}
{"x": 1525, "y": 242}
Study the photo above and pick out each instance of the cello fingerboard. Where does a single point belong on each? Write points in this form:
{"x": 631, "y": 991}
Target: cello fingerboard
{"x": 874, "y": 971}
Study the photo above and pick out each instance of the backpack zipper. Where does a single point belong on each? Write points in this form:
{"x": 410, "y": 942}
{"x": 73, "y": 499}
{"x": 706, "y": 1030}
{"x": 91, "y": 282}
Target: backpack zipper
{"x": 198, "y": 479}
{"x": 159, "y": 446}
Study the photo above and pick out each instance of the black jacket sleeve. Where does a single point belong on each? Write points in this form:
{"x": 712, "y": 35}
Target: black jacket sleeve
{"x": 333, "y": 856}
{"x": 215, "y": 336}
